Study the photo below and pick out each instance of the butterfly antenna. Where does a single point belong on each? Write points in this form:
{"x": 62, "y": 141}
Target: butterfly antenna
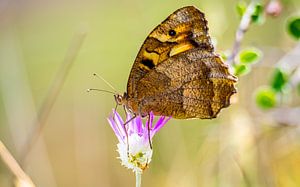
{"x": 106, "y": 82}
{"x": 99, "y": 90}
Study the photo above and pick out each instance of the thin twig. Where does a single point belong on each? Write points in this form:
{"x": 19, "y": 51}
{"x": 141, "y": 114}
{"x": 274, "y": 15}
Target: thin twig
{"x": 13, "y": 166}
{"x": 242, "y": 29}
{"x": 52, "y": 94}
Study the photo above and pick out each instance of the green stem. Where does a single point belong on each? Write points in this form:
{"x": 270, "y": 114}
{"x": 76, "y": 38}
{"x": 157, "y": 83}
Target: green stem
{"x": 138, "y": 179}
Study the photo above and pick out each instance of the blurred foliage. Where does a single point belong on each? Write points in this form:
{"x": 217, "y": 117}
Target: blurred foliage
{"x": 279, "y": 80}
{"x": 241, "y": 69}
{"x": 266, "y": 98}
{"x": 241, "y": 8}
{"x": 249, "y": 56}
{"x": 245, "y": 59}
{"x": 293, "y": 27}
{"x": 258, "y": 14}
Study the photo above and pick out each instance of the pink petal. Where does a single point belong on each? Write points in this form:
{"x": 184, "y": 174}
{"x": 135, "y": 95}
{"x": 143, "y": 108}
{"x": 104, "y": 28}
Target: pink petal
{"x": 115, "y": 128}
{"x": 159, "y": 124}
{"x": 119, "y": 122}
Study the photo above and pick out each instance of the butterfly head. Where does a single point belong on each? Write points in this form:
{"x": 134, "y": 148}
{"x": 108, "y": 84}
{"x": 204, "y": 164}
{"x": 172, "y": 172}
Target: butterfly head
{"x": 121, "y": 99}
{"x": 124, "y": 101}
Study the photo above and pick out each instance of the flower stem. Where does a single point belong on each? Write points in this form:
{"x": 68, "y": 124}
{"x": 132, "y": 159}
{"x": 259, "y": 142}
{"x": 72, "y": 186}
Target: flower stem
{"x": 138, "y": 179}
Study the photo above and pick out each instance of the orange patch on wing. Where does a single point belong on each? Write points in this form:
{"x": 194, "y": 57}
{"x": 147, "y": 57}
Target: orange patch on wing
{"x": 180, "y": 48}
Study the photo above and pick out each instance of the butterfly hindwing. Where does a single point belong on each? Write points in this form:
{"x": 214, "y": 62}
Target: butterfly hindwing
{"x": 194, "y": 84}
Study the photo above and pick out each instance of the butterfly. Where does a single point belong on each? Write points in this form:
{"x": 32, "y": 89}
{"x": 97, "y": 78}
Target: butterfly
{"x": 177, "y": 72}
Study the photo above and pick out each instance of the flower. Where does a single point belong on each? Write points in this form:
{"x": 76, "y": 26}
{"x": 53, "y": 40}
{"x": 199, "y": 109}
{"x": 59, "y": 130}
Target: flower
{"x": 135, "y": 152}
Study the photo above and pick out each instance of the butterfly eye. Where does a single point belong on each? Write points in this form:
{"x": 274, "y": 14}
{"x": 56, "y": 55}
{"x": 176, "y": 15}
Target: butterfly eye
{"x": 119, "y": 99}
{"x": 172, "y": 32}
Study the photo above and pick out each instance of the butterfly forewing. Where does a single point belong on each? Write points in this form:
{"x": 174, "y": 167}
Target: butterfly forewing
{"x": 183, "y": 30}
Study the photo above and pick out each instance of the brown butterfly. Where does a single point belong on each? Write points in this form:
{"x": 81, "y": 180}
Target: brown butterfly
{"x": 176, "y": 72}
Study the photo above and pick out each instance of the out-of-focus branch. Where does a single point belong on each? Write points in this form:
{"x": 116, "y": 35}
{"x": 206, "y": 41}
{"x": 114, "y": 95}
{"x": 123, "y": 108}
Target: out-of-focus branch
{"x": 52, "y": 94}
{"x": 22, "y": 178}
{"x": 286, "y": 116}
{"x": 289, "y": 116}
{"x": 290, "y": 63}
{"x": 243, "y": 27}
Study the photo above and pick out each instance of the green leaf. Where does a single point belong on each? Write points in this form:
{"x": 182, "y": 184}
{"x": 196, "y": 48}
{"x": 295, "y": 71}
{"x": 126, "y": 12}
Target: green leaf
{"x": 241, "y": 69}
{"x": 265, "y": 98}
{"x": 279, "y": 80}
{"x": 249, "y": 56}
{"x": 293, "y": 27}
{"x": 224, "y": 55}
{"x": 257, "y": 15}
{"x": 241, "y": 8}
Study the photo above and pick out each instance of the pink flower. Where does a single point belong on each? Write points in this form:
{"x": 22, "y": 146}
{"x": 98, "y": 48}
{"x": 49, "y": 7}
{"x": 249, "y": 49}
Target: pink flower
{"x": 135, "y": 153}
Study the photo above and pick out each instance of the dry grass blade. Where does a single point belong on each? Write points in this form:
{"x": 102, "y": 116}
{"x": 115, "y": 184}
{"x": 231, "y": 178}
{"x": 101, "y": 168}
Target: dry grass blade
{"x": 23, "y": 180}
{"x": 52, "y": 93}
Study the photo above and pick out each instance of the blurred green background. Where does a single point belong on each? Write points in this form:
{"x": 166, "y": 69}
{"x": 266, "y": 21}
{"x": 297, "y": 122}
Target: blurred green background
{"x": 244, "y": 146}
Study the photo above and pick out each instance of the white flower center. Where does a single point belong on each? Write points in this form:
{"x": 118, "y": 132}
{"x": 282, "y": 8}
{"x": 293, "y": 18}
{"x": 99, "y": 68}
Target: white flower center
{"x": 139, "y": 155}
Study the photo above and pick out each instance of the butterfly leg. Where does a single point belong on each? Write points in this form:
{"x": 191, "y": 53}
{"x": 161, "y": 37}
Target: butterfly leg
{"x": 148, "y": 126}
{"x": 125, "y": 109}
{"x": 115, "y": 112}
{"x": 126, "y": 133}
